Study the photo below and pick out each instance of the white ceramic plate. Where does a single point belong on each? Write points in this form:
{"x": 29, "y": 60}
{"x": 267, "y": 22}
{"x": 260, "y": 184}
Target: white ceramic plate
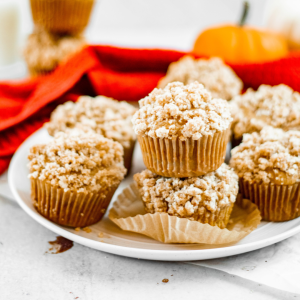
{"x": 116, "y": 241}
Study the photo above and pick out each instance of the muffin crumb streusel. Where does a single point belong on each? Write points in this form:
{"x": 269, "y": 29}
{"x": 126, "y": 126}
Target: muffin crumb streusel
{"x": 277, "y": 106}
{"x": 271, "y": 156}
{"x": 216, "y": 77}
{"x": 44, "y": 51}
{"x": 105, "y": 116}
{"x": 79, "y": 161}
{"x": 188, "y": 197}
{"x": 183, "y": 111}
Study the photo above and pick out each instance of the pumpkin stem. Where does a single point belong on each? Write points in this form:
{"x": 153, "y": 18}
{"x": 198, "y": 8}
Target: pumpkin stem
{"x": 245, "y": 13}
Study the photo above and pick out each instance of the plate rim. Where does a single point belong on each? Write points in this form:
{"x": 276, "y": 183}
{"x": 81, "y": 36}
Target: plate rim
{"x": 148, "y": 254}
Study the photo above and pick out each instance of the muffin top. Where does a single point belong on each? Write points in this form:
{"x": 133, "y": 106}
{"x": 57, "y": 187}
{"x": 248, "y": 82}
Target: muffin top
{"x": 181, "y": 111}
{"x": 216, "y": 77}
{"x": 270, "y": 156}
{"x": 102, "y": 115}
{"x": 78, "y": 161}
{"x": 188, "y": 197}
{"x": 277, "y": 106}
{"x": 45, "y": 51}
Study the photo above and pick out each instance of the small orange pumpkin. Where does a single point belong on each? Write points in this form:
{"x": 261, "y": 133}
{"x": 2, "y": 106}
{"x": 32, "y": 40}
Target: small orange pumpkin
{"x": 241, "y": 44}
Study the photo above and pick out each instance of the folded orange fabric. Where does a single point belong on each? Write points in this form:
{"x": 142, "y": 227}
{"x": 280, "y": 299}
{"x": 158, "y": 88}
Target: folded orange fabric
{"x": 124, "y": 74}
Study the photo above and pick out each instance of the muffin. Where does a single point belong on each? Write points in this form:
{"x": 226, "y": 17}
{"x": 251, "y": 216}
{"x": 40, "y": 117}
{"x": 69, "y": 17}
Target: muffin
{"x": 61, "y": 16}
{"x": 216, "y": 77}
{"x": 102, "y": 115}
{"x": 74, "y": 177}
{"x": 268, "y": 166}
{"x": 182, "y": 130}
{"x": 44, "y": 51}
{"x": 276, "y": 106}
{"x": 206, "y": 199}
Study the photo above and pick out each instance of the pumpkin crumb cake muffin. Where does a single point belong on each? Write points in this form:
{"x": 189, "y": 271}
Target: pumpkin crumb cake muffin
{"x": 276, "y": 106}
{"x": 74, "y": 177}
{"x": 44, "y": 51}
{"x": 182, "y": 130}
{"x": 268, "y": 165}
{"x": 103, "y": 115}
{"x": 216, "y": 77}
{"x": 206, "y": 199}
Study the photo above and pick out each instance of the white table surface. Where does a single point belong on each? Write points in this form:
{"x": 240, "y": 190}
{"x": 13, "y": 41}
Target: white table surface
{"x": 28, "y": 272}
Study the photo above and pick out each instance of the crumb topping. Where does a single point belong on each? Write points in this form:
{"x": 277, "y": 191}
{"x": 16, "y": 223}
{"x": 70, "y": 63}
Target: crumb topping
{"x": 105, "y": 116}
{"x": 271, "y": 156}
{"x": 45, "y": 50}
{"x": 181, "y": 111}
{"x": 188, "y": 197}
{"x": 216, "y": 77}
{"x": 277, "y": 106}
{"x": 79, "y": 161}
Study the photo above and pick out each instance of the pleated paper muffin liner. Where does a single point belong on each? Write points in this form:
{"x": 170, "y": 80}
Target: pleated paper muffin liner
{"x": 276, "y": 202}
{"x": 69, "y": 208}
{"x": 128, "y": 154}
{"x": 188, "y": 158}
{"x": 129, "y": 214}
{"x": 57, "y": 16}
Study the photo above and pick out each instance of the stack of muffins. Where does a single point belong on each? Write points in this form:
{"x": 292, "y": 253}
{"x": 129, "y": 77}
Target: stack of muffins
{"x": 74, "y": 177}
{"x": 265, "y": 131}
{"x": 57, "y": 34}
{"x": 183, "y": 134}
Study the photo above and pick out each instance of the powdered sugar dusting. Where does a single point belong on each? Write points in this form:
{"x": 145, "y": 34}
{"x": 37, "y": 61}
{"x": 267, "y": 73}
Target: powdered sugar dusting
{"x": 188, "y": 197}
{"x": 181, "y": 111}
{"x": 216, "y": 77}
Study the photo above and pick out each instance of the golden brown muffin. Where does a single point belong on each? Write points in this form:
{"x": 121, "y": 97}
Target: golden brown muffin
{"x": 206, "y": 199}
{"x": 268, "y": 165}
{"x": 61, "y": 16}
{"x": 44, "y": 51}
{"x": 216, "y": 77}
{"x": 182, "y": 130}
{"x": 276, "y": 106}
{"x": 103, "y": 115}
{"x": 74, "y": 177}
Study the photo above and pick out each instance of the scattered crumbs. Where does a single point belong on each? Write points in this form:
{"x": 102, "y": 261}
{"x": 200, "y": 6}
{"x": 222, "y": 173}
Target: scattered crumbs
{"x": 82, "y": 214}
{"x": 76, "y": 297}
{"x": 60, "y": 245}
{"x": 77, "y": 229}
{"x": 171, "y": 275}
{"x": 165, "y": 280}
{"x": 103, "y": 210}
{"x": 248, "y": 268}
{"x": 100, "y": 234}
{"x": 266, "y": 261}
{"x": 87, "y": 229}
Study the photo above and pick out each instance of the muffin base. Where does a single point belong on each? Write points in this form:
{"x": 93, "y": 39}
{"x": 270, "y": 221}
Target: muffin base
{"x": 187, "y": 158}
{"x": 276, "y": 203}
{"x": 128, "y": 154}
{"x": 220, "y": 218}
{"x": 69, "y": 208}
{"x": 68, "y": 16}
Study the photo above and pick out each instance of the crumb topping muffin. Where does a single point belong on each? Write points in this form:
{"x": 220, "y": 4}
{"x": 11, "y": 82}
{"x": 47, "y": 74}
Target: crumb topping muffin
{"x": 105, "y": 116}
{"x": 271, "y": 156}
{"x": 44, "y": 51}
{"x": 181, "y": 111}
{"x": 277, "y": 106}
{"x": 188, "y": 197}
{"x": 79, "y": 162}
{"x": 216, "y": 77}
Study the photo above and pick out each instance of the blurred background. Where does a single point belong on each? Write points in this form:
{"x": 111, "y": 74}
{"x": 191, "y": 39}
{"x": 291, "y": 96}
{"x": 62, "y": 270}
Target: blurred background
{"x": 155, "y": 23}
